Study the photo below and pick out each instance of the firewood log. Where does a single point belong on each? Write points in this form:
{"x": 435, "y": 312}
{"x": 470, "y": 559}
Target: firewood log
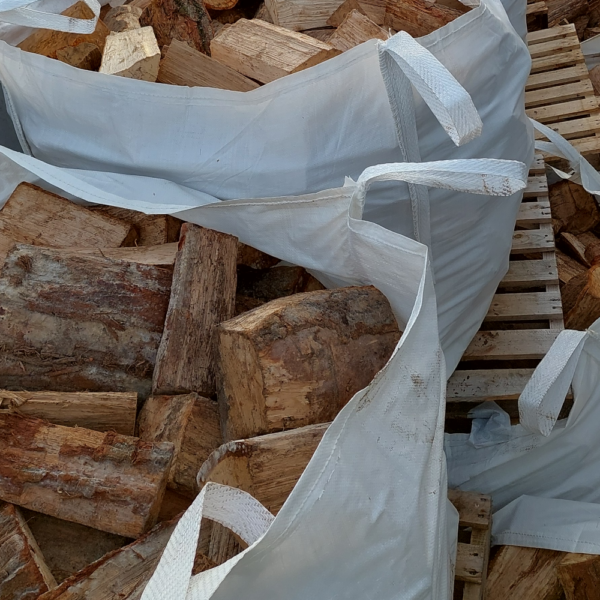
{"x": 162, "y": 255}
{"x": 559, "y": 10}
{"x": 577, "y": 245}
{"x": 418, "y": 17}
{"x": 251, "y": 257}
{"x": 123, "y": 18}
{"x": 579, "y": 575}
{"x": 266, "y": 52}
{"x": 24, "y": 574}
{"x": 344, "y": 9}
{"x": 108, "y": 481}
{"x": 192, "y": 424}
{"x": 277, "y": 361}
{"x": 83, "y": 56}
{"x": 263, "y": 13}
{"x": 573, "y": 209}
{"x": 567, "y": 267}
{"x": 203, "y": 295}
{"x": 354, "y": 30}
{"x": 298, "y": 15}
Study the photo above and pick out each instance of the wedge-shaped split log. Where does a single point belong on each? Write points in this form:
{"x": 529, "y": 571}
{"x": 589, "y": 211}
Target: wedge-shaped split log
{"x": 123, "y": 18}
{"x": 579, "y": 575}
{"x": 83, "y": 56}
{"x": 203, "y": 295}
{"x": 266, "y": 52}
{"x": 418, "y": 17}
{"x": 32, "y": 215}
{"x": 108, "y": 481}
{"x": 23, "y": 571}
{"x": 192, "y": 424}
{"x": 298, "y": 15}
{"x": 133, "y": 53}
{"x": 573, "y": 209}
{"x": 298, "y": 360}
{"x": 354, "y": 30}
{"x": 79, "y": 323}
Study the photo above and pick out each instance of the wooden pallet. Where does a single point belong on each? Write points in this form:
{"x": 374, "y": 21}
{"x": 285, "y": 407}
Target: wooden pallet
{"x": 537, "y": 15}
{"x": 525, "y": 316}
{"x": 559, "y": 92}
{"x": 474, "y": 533}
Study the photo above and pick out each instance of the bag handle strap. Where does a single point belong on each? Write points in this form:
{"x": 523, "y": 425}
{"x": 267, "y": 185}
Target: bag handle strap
{"x": 232, "y": 508}
{"x": 19, "y": 12}
{"x": 488, "y": 176}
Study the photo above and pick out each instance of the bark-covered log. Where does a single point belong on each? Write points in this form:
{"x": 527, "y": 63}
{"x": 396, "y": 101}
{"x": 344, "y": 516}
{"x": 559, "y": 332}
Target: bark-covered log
{"x": 418, "y": 17}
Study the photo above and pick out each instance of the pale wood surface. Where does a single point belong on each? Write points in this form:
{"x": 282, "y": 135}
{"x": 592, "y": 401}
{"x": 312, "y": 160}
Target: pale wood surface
{"x": 192, "y": 423}
{"x": 183, "y": 65}
{"x": 344, "y": 9}
{"x": 577, "y": 245}
{"x": 277, "y": 360}
{"x": 418, "y": 17}
{"x": 579, "y": 575}
{"x": 510, "y": 345}
{"x": 528, "y": 306}
{"x": 100, "y": 411}
{"x": 34, "y": 216}
{"x": 568, "y": 267}
{"x": 586, "y": 307}
{"x": 24, "y": 574}
{"x": 162, "y": 255}
{"x": 298, "y": 15}
{"x": 107, "y": 481}
{"x": 47, "y": 41}
{"x": 522, "y": 273}
{"x": 535, "y": 240}
{"x": 203, "y": 295}
{"x": 123, "y": 18}
{"x": 266, "y": 52}
{"x": 73, "y": 323}
{"x": 354, "y": 30}
{"x": 573, "y": 209}
{"x": 487, "y": 384}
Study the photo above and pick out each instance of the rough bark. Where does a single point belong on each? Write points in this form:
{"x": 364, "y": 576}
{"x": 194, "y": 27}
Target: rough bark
{"x": 573, "y": 209}
{"x": 558, "y": 10}
{"x": 298, "y": 360}
{"x": 108, "y": 481}
{"x": 203, "y": 295}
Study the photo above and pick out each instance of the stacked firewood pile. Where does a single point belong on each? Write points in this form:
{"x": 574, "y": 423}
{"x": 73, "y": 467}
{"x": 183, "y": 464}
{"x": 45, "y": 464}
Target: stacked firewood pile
{"x": 132, "y": 348}
{"x": 231, "y": 44}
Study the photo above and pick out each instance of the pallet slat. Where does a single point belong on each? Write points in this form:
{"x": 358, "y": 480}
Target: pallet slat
{"x": 559, "y": 93}
{"x": 487, "y": 384}
{"x": 534, "y": 240}
{"x": 534, "y": 212}
{"x": 559, "y": 77}
{"x": 531, "y": 273}
{"x": 511, "y": 345}
{"x": 530, "y": 306}
{"x": 573, "y": 108}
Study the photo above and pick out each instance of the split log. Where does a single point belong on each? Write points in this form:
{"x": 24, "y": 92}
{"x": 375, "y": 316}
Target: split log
{"x": 184, "y": 20}
{"x": 46, "y": 41}
{"x": 277, "y": 360}
{"x": 298, "y": 15}
{"x": 100, "y": 411}
{"x": 263, "y": 13}
{"x": 323, "y": 34}
{"x": 69, "y": 547}
{"x": 79, "y": 323}
{"x": 354, "y": 30}
{"x": 573, "y": 209}
{"x": 162, "y": 255}
{"x": 375, "y": 10}
{"x": 266, "y": 52}
{"x": 578, "y": 245}
{"x": 344, "y": 9}
{"x": 251, "y": 257}
{"x": 84, "y": 56}
{"x": 152, "y": 230}
{"x": 133, "y": 53}
{"x": 220, "y": 4}
{"x": 24, "y": 574}
{"x": 183, "y": 65}
{"x": 558, "y": 10}
{"x": 579, "y": 575}
{"x": 418, "y": 17}
{"x": 581, "y": 24}
{"x": 567, "y": 267}
{"x": 108, "y": 481}
{"x": 203, "y": 295}
{"x": 595, "y": 78}
{"x": 267, "y": 467}
{"x": 517, "y": 572}
{"x": 192, "y": 424}
{"x": 34, "y": 216}
{"x": 123, "y": 18}
{"x": 585, "y": 309}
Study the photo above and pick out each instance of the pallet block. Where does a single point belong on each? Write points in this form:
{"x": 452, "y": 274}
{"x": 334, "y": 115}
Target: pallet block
{"x": 525, "y": 315}
{"x": 559, "y": 92}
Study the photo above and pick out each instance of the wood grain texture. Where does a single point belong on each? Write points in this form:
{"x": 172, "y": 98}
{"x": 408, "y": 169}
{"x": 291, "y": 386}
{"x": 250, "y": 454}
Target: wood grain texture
{"x": 585, "y": 309}
{"x": 46, "y": 41}
{"x": 354, "y": 30}
{"x": 567, "y": 267}
{"x": 192, "y": 423}
{"x": 296, "y": 361}
{"x": 108, "y": 481}
{"x": 32, "y": 215}
{"x": 579, "y": 575}
{"x": 24, "y": 574}
{"x": 203, "y": 295}
{"x": 267, "y": 467}
{"x": 83, "y": 56}
{"x": 266, "y": 52}
{"x": 183, "y": 65}
{"x": 162, "y": 255}
{"x": 418, "y": 17}
{"x": 100, "y": 411}
{"x": 573, "y": 209}
{"x": 79, "y": 323}
{"x": 298, "y": 15}
{"x": 184, "y": 20}
{"x": 343, "y": 10}
{"x": 123, "y": 18}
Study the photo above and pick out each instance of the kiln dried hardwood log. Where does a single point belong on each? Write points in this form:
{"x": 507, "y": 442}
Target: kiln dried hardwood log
{"x": 418, "y": 17}
{"x": 203, "y": 295}
{"x": 558, "y": 10}
{"x": 266, "y": 466}
{"x": 162, "y": 255}
{"x": 152, "y": 230}
{"x": 79, "y": 323}
{"x": 585, "y": 309}
{"x": 123, "y": 18}
{"x": 573, "y": 209}
{"x": 184, "y": 20}
{"x": 567, "y": 267}
{"x": 263, "y": 13}
{"x": 266, "y": 52}
{"x": 83, "y": 56}
{"x": 298, "y": 360}
{"x": 595, "y": 78}
{"x": 34, "y": 216}
{"x": 527, "y": 573}
{"x": 47, "y": 41}
{"x": 192, "y": 424}
{"x": 579, "y": 575}
{"x": 23, "y": 572}
{"x": 337, "y": 18}
{"x": 108, "y": 481}
{"x": 100, "y": 411}
{"x": 133, "y": 53}
{"x": 298, "y": 15}
{"x": 354, "y": 30}
{"x": 578, "y": 245}
{"x": 183, "y": 65}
